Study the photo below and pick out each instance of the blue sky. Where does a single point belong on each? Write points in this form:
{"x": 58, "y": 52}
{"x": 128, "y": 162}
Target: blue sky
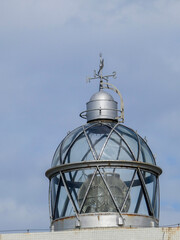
{"x": 48, "y": 48}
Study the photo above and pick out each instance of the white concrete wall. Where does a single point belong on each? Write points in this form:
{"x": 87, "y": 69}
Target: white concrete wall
{"x": 104, "y": 234}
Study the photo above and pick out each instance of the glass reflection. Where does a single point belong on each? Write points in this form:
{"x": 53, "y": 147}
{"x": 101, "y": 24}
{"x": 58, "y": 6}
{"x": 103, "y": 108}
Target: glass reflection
{"x": 145, "y": 153}
{"x": 60, "y": 203}
{"x": 75, "y": 180}
{"x": 97, "y": 136}
{"x": 116, "y": 149}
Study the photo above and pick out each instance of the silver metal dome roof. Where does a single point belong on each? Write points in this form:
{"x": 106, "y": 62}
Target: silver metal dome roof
{"x": 101, "y": 106}
{"x": 101, "y": 95}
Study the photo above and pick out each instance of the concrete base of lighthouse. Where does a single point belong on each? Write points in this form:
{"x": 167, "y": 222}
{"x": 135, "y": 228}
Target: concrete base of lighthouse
{"x": 100, "y": 233}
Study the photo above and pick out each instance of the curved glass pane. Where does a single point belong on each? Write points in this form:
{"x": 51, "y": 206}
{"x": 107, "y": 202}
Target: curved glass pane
{"x": 133, "y": 144}
{"x": 130, "y": 137}
{"x": 150, "y": 181}
{"x": 79, "y": 151}
{"x": 64, "y": 207}
{"x": 54, "y": 188}
{"x": 122, "y": 144}
{"x": 143, "y": 209}
{"x": 98, "y": 198}
{"x": 60, "y": 203}
{"x": 76, "y": 180}
{"x": 116, "y": 149}
{"x": 125, "y": 130}
{"x": 69, "y": 140}
{"x": 91, "y": 191}
{"x": 145, "y": 153}
{"x": 138, "y": 203}
{"x": 119, "y": 181}
{"x": 56, "y": 159}
{"x": 97, "y": 136}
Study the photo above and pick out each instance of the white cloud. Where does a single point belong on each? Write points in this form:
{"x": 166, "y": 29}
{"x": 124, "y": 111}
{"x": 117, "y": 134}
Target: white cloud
{"x": 114, "y": 14}
{"x": 36, "y": 14}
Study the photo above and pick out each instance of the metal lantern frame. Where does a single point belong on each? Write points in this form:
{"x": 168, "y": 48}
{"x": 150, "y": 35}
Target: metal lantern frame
{"x": 63, "y": 165}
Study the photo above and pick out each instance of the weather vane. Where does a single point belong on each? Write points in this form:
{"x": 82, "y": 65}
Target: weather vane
{"x": 105, "y": 84}
{"x": 99, "y": 75}
{"x": 101, "y": 65}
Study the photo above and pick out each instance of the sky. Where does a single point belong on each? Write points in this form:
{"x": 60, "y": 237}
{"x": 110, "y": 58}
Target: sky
{"x": 47, "y": 50}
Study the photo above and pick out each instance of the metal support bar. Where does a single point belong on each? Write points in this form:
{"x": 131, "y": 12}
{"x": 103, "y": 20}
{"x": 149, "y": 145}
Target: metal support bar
{"x": 120, "y": 135}
{"x": 107, "y": 139}
{"x": 139, "y": 145}
{"x": 109, "y": 190}
{"x": 148, "y": 201}
{"x": 87, "y": 191}
{"x": 69, "y": 195}
{"x": 92, "y": 150}
{"x": 127, "y": 195}
{"x": 67, "y": 198}
{"x": 154, "y": 194}
{"x": 49, "y": 201}
{"x": 57, "y": 196}
{"x": 75, "y": 141}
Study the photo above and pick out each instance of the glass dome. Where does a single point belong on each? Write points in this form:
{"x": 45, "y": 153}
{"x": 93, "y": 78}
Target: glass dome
{"x": 104, "y": 167}
{"x": 102, "y": 141}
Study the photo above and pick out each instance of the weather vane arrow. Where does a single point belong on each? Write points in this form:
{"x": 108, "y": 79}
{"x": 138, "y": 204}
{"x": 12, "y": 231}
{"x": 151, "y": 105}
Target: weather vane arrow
{"x": 101, "y": 65}
{"x": 99, "y": 75}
